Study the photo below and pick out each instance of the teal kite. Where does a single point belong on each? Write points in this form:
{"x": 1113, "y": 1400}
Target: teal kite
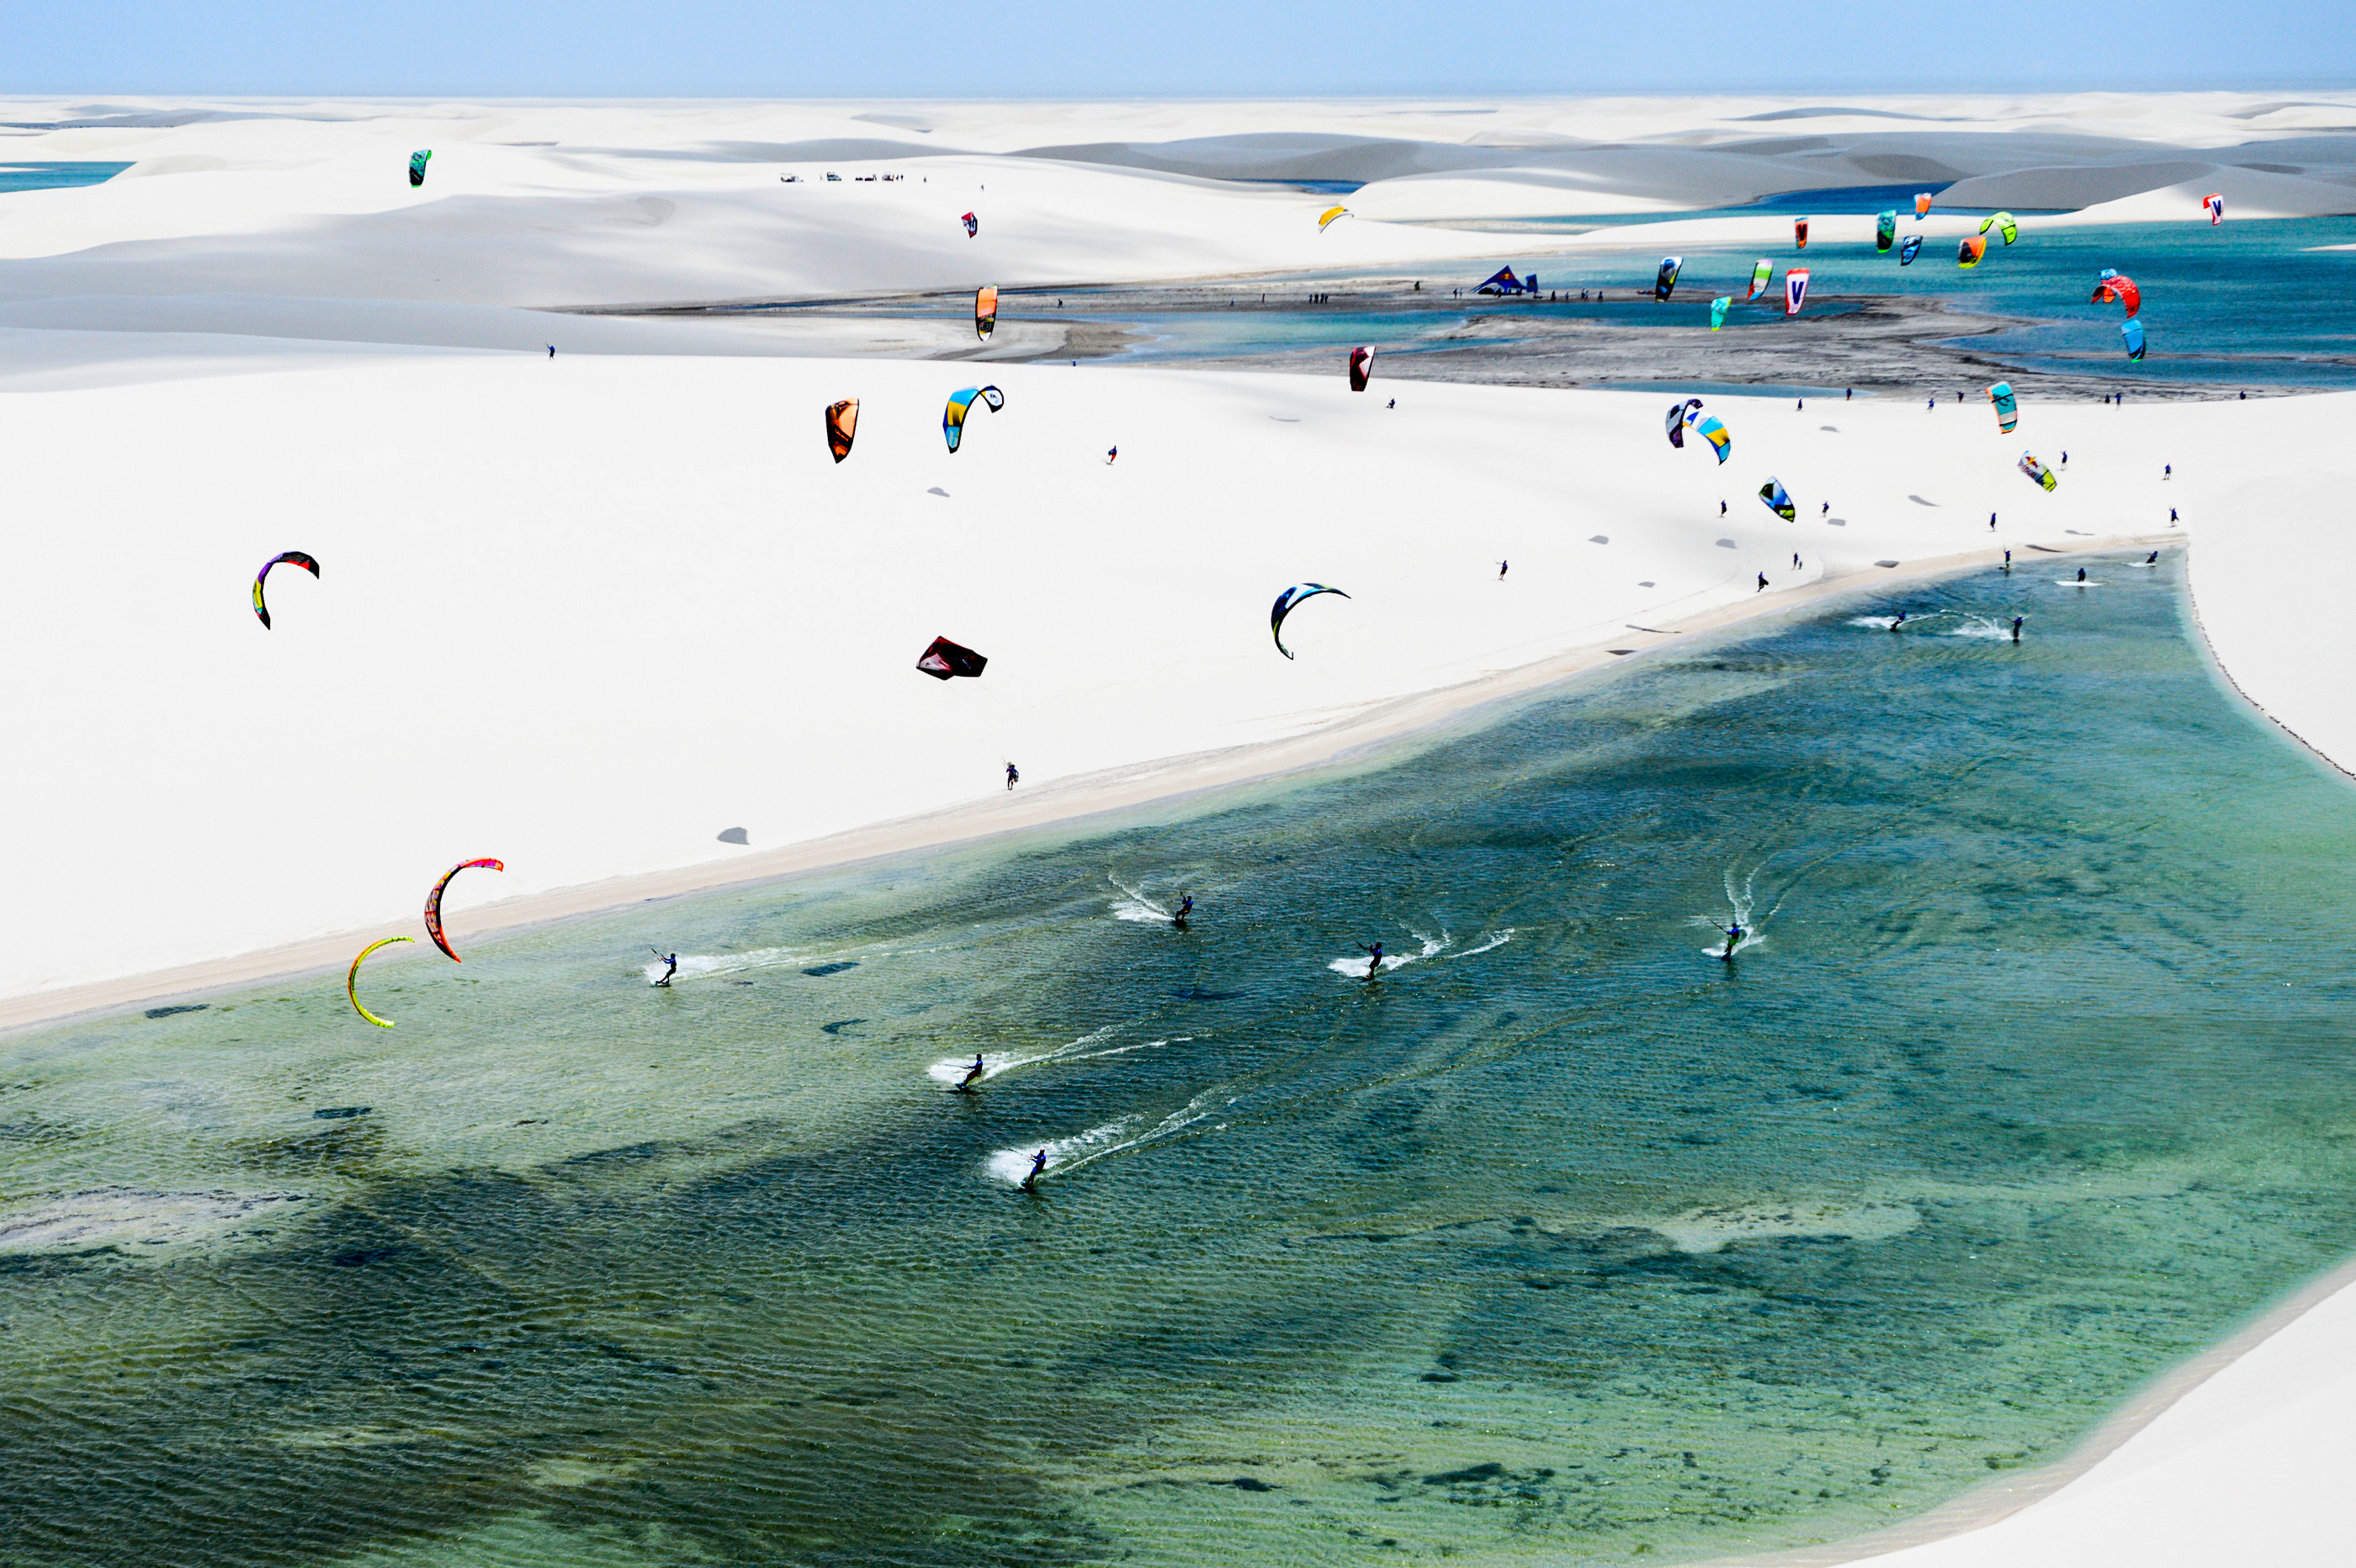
{"x": 953, "y": 417}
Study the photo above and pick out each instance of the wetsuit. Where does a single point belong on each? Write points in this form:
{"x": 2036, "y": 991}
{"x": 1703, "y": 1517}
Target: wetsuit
{"x": 1899, "y": 622}
{"x": 1038, "y": 1166}
{"x": 674, "y": 962}
{"x": 1374, "y": 959}
{"x": 971, "y": 1073}
{"x": 2082, "y": 574}
{"x": 1186, "y": 909}
{"x": 1501, "y": 570}
{"x": 2016, "y": 628}
{"x": 1733, "y": 940}
{"x": 1013, "y": 776}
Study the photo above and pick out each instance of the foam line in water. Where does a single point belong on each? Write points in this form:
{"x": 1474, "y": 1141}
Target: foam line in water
{"x": 1065, "y": 1155}
{"x": 1499, "y": 940}
{"x": 1089, "y": 1047}
{"x": 1356, "y": 968}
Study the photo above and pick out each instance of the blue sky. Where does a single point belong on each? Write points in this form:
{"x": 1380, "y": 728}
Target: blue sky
{"x": 1055, "y": 49}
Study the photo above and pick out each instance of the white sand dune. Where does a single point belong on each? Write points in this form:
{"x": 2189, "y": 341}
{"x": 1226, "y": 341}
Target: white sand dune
{"x": 585, "y": 614}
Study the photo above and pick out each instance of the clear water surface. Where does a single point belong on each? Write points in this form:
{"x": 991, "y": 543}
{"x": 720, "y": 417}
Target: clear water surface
{"x": 55, "y": 175}
{"x": 1564, "y": 1240}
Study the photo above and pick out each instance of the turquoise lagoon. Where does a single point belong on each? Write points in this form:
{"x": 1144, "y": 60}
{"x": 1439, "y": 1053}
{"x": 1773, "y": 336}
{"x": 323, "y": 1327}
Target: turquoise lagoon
{"x": 1562, "y": 1242}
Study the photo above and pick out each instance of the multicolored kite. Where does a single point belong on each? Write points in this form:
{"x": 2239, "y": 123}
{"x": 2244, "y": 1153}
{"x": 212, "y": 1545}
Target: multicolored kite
{"x": 2008, "y": 409}
{"x": 2003, "y": 223}
{"x": 2036, "y": 472}
{"x": 1906, "y": 252}
{"x": 1777, "y": 499}
{"x": 985, "y": 311}
{"x": 1286, "y": 601}
{"x": 953, "y": 417}
{"x": 973, "y": 225}
{"x": 1680, "y": 416}
{"x": 1666, "y": 279}
{"x": 2115, "y": 287}
{"x": 1715, "y": 433}
{"x": 417, "y": 161}
{"x": 1717, "y": 309}
{"x": 1795, "y": 289}
{"x": 1762, "y": 274}
{"x": 2214, "y": 205}
{"x": 1800, "y": 232}
{"x": 842, "y": 426}
{"x": 1361, "y": 367}
{"x": 2132, "y": 330}
{"x": 290, "y": 558}
{"x": 946, "y": 660}
{"x": 1968, "y": 253}
{"x": 1885, "y": 231}
{"x": 433, "y": 904}
{"x": 1921, "y": 205}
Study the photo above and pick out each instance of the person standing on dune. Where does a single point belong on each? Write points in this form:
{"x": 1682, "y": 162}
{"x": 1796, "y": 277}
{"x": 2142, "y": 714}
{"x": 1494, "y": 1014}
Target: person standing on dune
{"x": 1013, "y": 775}
{"x": 1501, "y": 570}
{"x": 1762, "y": 582}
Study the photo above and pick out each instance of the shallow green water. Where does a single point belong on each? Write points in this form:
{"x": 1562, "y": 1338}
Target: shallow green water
{"x": 1564, "y": 1241}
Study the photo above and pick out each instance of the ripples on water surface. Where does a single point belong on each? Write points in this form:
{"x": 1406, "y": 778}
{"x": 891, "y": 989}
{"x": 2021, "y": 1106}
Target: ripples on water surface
{"x": 1563, "y": 1241}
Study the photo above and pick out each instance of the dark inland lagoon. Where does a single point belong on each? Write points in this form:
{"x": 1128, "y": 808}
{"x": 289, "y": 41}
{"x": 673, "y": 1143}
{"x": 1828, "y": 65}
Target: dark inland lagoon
{"x": 1564, "y": 1240}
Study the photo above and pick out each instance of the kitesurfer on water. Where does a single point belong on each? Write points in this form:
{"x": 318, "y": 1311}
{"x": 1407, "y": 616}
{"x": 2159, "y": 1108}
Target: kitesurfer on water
{"x": 1899, "y": 622}
{"x": 1186, "y": 909}
{"x": 1374, "y": 959}
{"x": 671, "y": 960}
{"x": 2016, "y": 628}
{"x": 1038, "y": 1166}
{"x": 971, "y": 1074}
{"x": 2152, "y": 560}
{"x": 1733, "y": 939}
{"x": 2082, "y": 574}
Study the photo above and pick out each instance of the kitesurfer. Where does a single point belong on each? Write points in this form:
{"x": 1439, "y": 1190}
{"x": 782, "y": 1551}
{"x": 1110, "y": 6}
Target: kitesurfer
{"x": 2152, "y": 560}
{"x": 671, "y": 960}
{"x": 2167, "y": 471}
{"x": 1991, "y": 522}
{"x": 1392, "y": 404}
{"x": 2007, "y": 560}
{"x": 1038, "y": 1167}
{"x": 1013, "y": 775}
{"x": 1733, "y": 939}
{"x": 551, "y": 351}
{"x": 973, "y": 1075}
{"x": 1186, "y": 909}
{"x": 2065, "y": 457}
{"x": 1501, "y": 570}
{"x": 2171, "y": 517}
{"x": 2016, "y": 628}
{"x": 1112, "y": 453}
{"x": 2082, "y": 574}
{"x": 1828, "y": 511}
{"x": 1795, "y": 561}
{"x": 1899, "y": 622}
{"x": 1762, "y": 582}
{"x": 1722, "y": 508}
{"x": 1374, "y": 959}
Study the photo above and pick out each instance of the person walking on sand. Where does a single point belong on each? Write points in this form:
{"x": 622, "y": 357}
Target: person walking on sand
{"x": 1392, "y": 404}
{"x": 1931, "y": 405}
{"x": 1013, "y": 775}
{"x": 1795, "y": 561}
{"x": 2016, "y": 628}
{"x": 671, "y": 962}
{"x": 1991, "y": 522}
{"x": 2171, "y": 517}
{"x": 1374, "y": 959}
{"x": 1038, "y": 1168}
{"x": 1722, "y": 508}
{"x": 1762, "y": 582}
{"x": 2065, "y": 457}
{"x": 1112, "y": 455}
{"x": 1501, "y": 570}
{"x": 2167, "y": 471}
{"x": 973, "y": 1075}
{"x": 1826, "y": 510}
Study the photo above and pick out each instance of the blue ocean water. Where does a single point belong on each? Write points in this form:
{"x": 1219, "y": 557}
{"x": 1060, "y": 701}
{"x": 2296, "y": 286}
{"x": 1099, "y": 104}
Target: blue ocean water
{"x": 1563, "y": 1240}
{"x": 56, "y": 176}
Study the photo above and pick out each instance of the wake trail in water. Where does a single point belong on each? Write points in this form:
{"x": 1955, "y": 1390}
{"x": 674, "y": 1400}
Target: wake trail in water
{"x": 1089, "y": 1047}
{"x": 1137, "y": 905}
{"x": 1740, "y": 900}
{"x": 1499, "y": 940}
{"x": 1065, "y": 1155}
{"x": 1356, "y": 968}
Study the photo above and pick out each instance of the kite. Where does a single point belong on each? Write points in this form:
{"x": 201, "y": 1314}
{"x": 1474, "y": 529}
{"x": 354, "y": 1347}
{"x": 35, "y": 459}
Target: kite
{"x": 1503, "y": 282}
{"x": 972, "y": 224}
{"x": 352, "y": 976}
{"x": 2037, "y": 471}
{"x": 1717, "y": 309}
{"x": 417, "y": 167}
{"x": 1285, "y": 604}
{"x": 2003, "y": 223}
{"x": 1921, "y": 205}
{"x": 1680, "y": 415}
{"x": 1777, "y": 499}
{"x": 946, "y": 660}
{"x": 1362, "y": 369}
{"x": 953, "y": 417}
{"x": 1326, "y": 218}
{"x": 292, "y": 558}
{"x": 1969, "y": 253}
{"x": 2116, "y": 287}
{"x": 841, "y": 425}
{"x": 1885, "y": 231}
{"x": 985, "y": 312}
{"x": 2132, "y": 330}
{"x": 1760, "y": 276}
{"x": 1800, "y": 233}
{"x": 2214, "y": 205}
{"x": 1715, "y": 433}
{"x": 2007, "y": 410}
{"x": 1906, "y": 251}
{"x": 1795, "y": 289}
{"x": 1667, "y": 278}
{"x": 433, "y": 904}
